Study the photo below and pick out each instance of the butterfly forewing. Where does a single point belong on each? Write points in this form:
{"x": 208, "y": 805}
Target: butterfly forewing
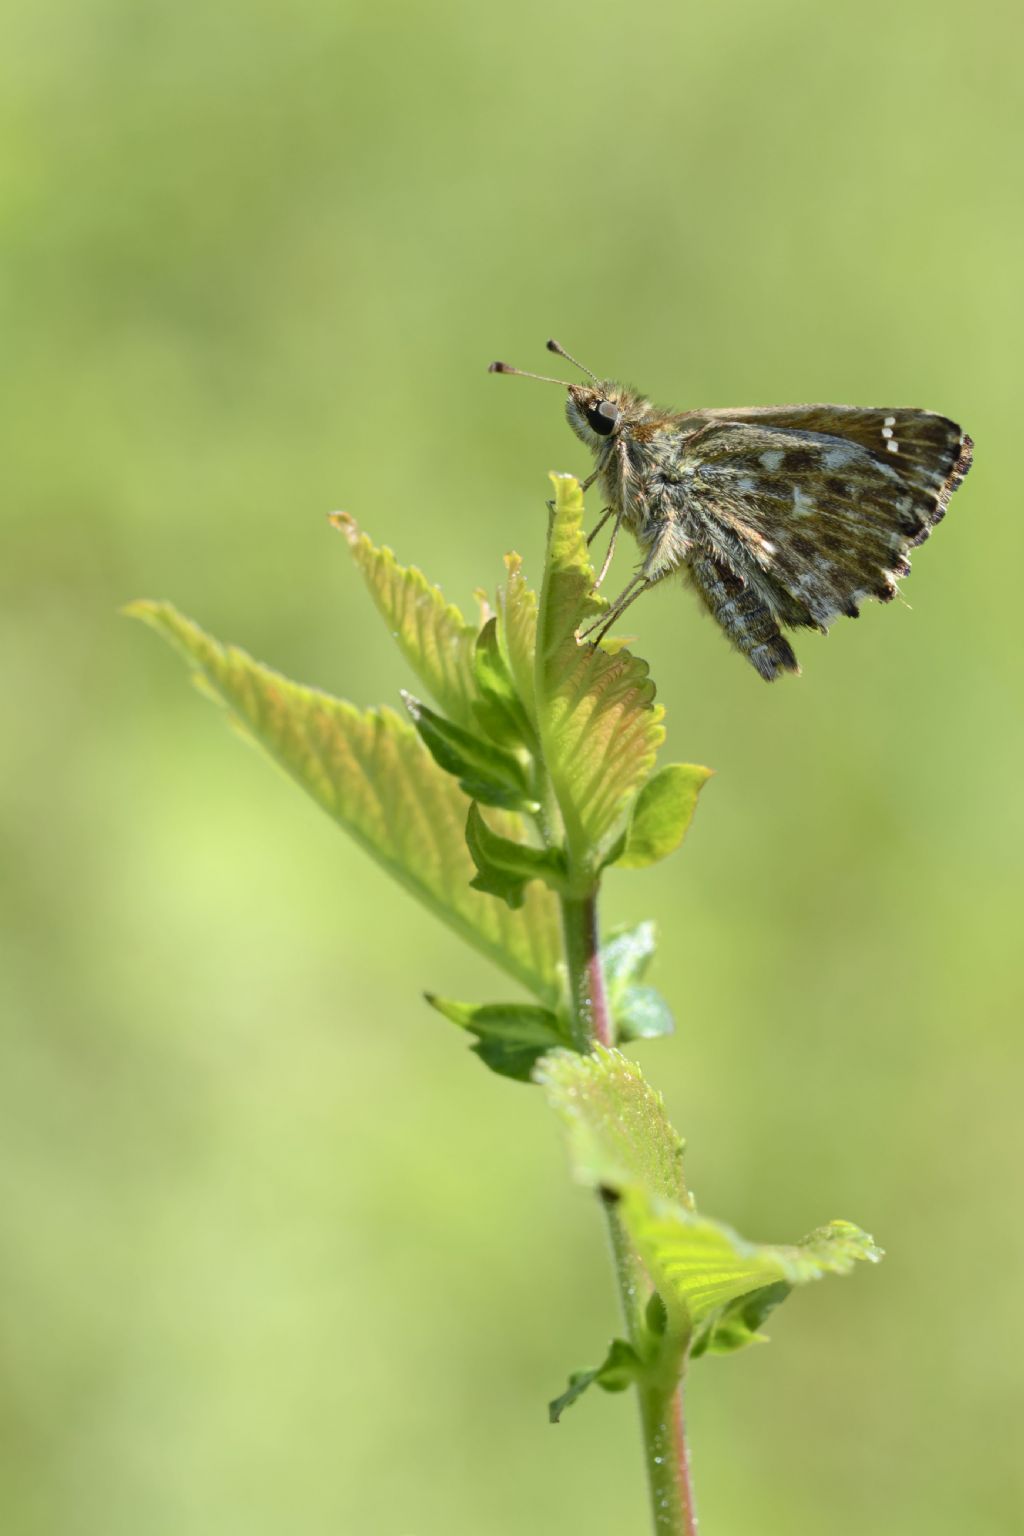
{"x": 819, "y": 506}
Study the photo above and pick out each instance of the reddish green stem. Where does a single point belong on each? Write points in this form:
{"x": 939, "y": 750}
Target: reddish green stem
{"x": 591, "y": 1018}
{"x": 661, "y": 1404}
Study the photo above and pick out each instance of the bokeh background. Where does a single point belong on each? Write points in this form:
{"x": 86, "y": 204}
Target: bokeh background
{"x": 278, "y": 1255}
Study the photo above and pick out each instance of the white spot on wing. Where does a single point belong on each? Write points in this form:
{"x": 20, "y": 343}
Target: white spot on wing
{"x": 803, "y": 506}
{"x": 890, "y": 421}
{"x": 893, "y": 446}
{"x": 839, "y": 456}
{"x": 772, "y": 459}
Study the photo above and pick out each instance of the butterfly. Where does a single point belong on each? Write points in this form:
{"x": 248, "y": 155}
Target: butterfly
{"x": 781, "y": 516}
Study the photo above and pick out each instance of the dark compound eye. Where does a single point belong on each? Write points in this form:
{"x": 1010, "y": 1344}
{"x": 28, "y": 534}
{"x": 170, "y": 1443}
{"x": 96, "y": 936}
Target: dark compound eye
{"x": 603, "y": 417}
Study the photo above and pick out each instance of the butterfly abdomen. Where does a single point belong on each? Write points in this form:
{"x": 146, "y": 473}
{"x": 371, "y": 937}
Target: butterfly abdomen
{"x": 745, "y": 617}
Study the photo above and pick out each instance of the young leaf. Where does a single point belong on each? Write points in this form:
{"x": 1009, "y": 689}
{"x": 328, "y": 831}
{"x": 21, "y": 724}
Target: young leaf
{"x": 626, "y": 953}
{"x": 485, "y": 772}
{"x": 599, "y": 726}
{"x": 504, "y": 868}
{"x": 499, "y": 709}
{"x": 663, "y": 812}
{"x": 641, "y": 1013}
{"x": 620, "y": 1140}
{"x": 618, "y": 1133}
{"x": 700, "y": 1266}
{"x": 620, "y": 1368}
{"x": 517, "y": 632}
{"x": 432, "y": 635}
{"x": 510, "y": 1036}
{"x": 371, "y": 773}
{"x": 739, "y": 1322}
{"x": 638, "y": 1012}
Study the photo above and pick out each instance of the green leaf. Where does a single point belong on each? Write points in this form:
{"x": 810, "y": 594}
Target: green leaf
{"x": 599, "y": 726}
{"x": 739, "y": 1323}
{"x": 485, "y": 772}
{"x": 499, "y": 709}
{"x": 615, "y": 1123}
{"x": 638, "y": 1012}
{"x": 641, "y": 1013}
{"x": 432, "y": 634}
{"x": 707, "y": 1276}
{"x": 511, "y": 1037}
{"x": 370, "y": 772}
{"x": 568, "y": 598}
{"x": 620, "y": 1368}
{"x": 663, "y": 812}
{"x": 504, "y": 867}
{"x": 700, "y": 1266}
{"x": 626, "y": 953}
{"x": 517, "y": 633}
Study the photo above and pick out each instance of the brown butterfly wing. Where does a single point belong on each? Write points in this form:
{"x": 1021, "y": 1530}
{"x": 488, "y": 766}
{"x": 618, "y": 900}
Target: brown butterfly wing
{"x": 818, "y": 506}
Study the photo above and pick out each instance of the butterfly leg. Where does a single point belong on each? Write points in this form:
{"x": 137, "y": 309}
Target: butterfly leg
{"x": 662, "y": 559}
{"x": 605, "y": 515}
{"x": 640, "y": 583}
{"x": 603, "y": 572}
{"x": 603, "y": 624}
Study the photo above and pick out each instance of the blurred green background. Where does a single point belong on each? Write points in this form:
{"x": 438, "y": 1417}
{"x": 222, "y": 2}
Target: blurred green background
{"x": 278, "y": 1254}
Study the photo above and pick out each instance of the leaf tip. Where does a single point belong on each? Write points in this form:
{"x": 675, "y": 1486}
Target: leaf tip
{"x": 345, "y": 523}
{"x": 568, "y": 490}
{"x": 149, "y": 610}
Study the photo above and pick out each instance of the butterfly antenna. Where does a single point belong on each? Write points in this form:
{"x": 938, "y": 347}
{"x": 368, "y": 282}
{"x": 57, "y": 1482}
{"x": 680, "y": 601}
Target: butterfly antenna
{"x": 543, "y": 377}
{"x": 559, "y": 350}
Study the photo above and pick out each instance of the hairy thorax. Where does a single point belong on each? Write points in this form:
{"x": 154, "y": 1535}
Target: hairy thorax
{"x": 645, "y": 474}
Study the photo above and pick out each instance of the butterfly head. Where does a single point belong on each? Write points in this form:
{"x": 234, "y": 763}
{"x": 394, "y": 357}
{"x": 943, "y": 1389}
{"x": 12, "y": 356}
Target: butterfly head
{"x": 595, "y": 415}
{"x": 595, "y": 411}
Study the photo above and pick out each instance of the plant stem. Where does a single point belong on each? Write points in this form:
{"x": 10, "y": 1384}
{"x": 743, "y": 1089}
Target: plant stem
{"x": 591, "y": 1019}
{"x": 668, "y": 1462}
{"x": 661, "y": 1403}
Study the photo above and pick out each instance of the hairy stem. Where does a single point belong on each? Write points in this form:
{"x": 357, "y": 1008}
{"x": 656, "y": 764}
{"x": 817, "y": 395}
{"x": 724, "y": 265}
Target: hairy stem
{"x": 661, "y": 1403}
{"x": 591, "y": 1019}
{"x": 668, "y": 1463}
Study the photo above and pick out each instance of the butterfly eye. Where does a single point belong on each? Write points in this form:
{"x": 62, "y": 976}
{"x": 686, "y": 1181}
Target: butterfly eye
{"x": 603, "y": 417}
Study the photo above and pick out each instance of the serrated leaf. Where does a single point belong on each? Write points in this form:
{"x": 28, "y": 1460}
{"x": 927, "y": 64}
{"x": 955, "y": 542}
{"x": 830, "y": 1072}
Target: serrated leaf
{"x": 620, "y": 1368}
{"x": 510, "y": 1037}
{"x": 700, "y": 1266}
{"x": 499, "y": 709}
{"x": 517, "y": 632}
{"x": 485, "y": 772}
{"x": 662, "y": 814}
{"x": 372, "y": 774}
{"x": 615, "y": 1123}
{"x": 621, "y": 1142}
{"x": 431, "y": 633}
{"x": 568, "y": 598}
{"x": 599, "y": 726}
{"x": 505, "y": 867}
